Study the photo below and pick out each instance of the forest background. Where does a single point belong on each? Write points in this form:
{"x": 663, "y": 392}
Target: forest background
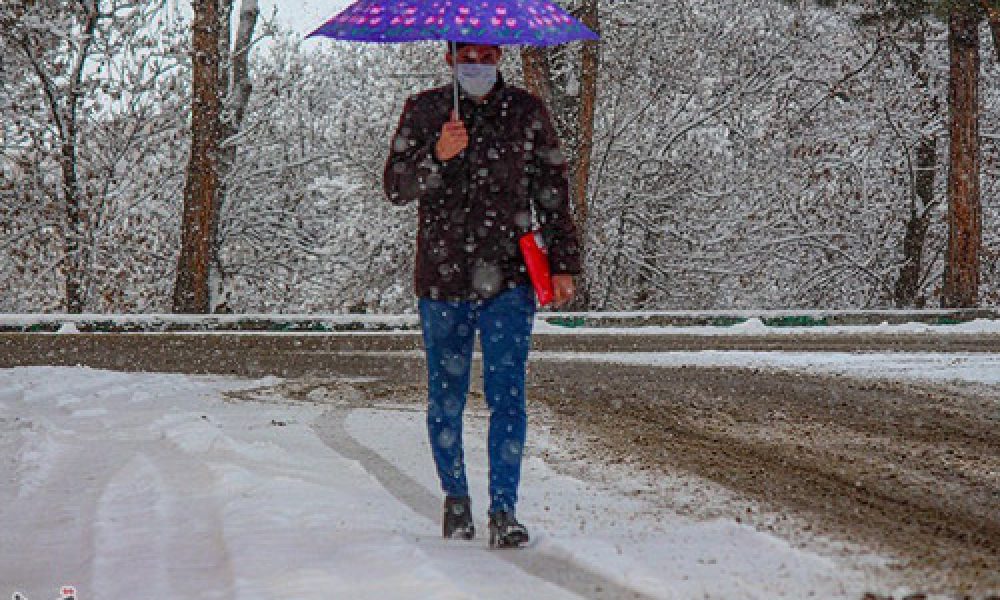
{"x": 725, "y": 154}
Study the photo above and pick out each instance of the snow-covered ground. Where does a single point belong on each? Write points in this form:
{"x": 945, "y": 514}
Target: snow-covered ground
{"x": 975, "y": 368}
{"x": 755, "y": 326}
{"x": 162, "y": 486}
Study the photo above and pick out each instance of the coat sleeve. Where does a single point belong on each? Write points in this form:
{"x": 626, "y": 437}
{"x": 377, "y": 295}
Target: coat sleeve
{"x": 550, "y": 195}
{"x": 412, "y": 171}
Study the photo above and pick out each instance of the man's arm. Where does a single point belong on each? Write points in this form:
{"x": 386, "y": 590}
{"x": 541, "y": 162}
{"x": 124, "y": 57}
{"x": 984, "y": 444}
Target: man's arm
{"x": 550, "y": 195}
{"x": 412, "y": 170}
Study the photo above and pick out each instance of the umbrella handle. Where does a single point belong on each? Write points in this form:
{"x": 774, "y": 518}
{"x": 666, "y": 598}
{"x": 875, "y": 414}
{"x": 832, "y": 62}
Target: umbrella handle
{"x": 454, "y": 76}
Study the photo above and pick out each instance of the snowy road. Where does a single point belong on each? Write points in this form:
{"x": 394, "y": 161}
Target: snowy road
{"x": 175, "y": 486}
{"x": 853, "y": 463}
{"x": 293, "y": 355}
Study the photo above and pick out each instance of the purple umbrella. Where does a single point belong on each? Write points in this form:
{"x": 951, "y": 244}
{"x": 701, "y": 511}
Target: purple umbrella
{"x": 493, "y": 22}
{"x": 490, "y": 22}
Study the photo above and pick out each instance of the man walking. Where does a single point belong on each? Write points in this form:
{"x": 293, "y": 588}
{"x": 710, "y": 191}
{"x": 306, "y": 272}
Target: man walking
{"x": 481, "y": 182}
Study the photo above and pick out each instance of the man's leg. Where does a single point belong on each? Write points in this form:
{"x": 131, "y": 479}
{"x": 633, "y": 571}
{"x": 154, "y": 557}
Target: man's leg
{"x": 505, "y": 324}
{"x": 448, "y": 340}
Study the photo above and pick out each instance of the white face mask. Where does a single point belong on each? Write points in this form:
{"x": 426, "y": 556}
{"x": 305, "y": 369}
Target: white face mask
{"x": 477, "y": 80}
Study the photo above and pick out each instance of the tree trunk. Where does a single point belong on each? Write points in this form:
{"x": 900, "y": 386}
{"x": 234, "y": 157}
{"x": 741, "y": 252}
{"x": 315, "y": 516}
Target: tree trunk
{"x": 235, "y": 86}
{"x": 908, "y": 285}
{"x": 589, "y": 66}
{"x": 537, "y": 78}
{"x": 240, "y": 84}
{"x": 191, "y": 289}
{"x": 74, "y": 230}
{"x": 993, "y": 15}
{"x": 961, "y": 275}
{"x": 907, "y": 293}
{"x": 68, "y": 127}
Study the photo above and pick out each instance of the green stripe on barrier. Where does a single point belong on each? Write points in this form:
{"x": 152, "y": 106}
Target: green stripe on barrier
{"x": 571, "y": 322}
{"x": 796, "y": 321}
{"x": 727, "y": 321}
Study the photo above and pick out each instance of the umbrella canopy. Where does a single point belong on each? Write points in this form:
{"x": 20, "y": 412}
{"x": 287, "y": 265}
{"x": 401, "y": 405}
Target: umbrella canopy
{"x": 490, "y": 22}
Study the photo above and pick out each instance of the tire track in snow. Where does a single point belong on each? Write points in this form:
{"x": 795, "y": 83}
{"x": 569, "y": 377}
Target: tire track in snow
{"x": 560, "y": 571}
{"x": 159, "y": 530}
{"x": 111, "y": 505}
{"x": 130, "y": 522}
{"x": 49, "y": 460}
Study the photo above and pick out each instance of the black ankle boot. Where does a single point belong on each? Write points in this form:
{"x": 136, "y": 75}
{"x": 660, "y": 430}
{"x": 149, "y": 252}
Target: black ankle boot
{"x": 457, "y": 521}
{"x": 506, "y": 532}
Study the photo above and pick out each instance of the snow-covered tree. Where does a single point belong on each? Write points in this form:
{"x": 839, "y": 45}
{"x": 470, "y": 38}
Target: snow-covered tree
{"x": 93, "y": 93}
{"x": 746, "y": 154}
{"x": 305, "y": 224}
{"x": 964, "y": 20}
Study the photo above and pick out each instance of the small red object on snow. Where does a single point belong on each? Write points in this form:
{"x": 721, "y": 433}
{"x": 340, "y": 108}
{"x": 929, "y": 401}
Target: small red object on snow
{"x": 536, "y": 259}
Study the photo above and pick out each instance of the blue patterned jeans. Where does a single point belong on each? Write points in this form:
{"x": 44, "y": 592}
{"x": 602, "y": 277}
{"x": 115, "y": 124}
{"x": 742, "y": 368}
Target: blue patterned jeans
{"x": 449, "y": 329}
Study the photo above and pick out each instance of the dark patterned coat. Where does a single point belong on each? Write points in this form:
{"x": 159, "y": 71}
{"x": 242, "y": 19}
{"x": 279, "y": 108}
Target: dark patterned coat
{"x": 473, "y": 209}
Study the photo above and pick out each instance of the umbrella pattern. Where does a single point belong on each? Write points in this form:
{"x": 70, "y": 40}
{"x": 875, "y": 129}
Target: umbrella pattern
{"x": 494, "y": 22}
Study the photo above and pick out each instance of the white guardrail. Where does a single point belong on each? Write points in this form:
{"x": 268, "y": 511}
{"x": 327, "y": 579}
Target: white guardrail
{"x": 549, "y": 321}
